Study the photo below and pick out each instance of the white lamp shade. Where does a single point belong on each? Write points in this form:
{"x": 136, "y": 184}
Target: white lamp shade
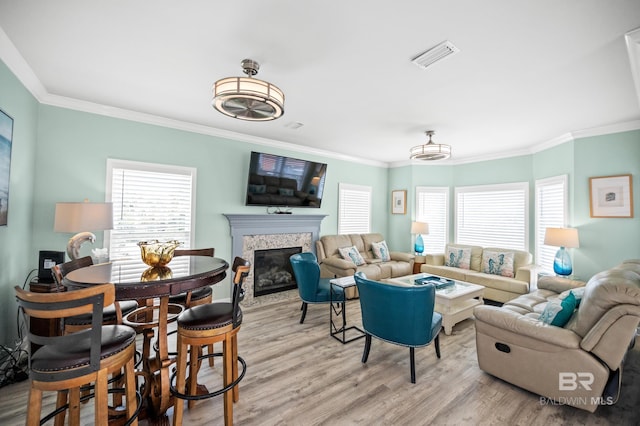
{"x": 80, "y": 217}
{"x": 420, "y": 228}
{"x": 561, "y": 237}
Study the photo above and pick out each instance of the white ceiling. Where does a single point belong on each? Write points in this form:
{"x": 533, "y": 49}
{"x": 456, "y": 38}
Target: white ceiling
{"x": 528, "y": 72}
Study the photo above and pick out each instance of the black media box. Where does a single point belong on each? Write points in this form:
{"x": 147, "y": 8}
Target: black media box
{"x": 47, "y": 260}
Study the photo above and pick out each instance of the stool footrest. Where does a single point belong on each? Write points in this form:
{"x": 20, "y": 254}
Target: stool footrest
{"x": 229, "y": 387}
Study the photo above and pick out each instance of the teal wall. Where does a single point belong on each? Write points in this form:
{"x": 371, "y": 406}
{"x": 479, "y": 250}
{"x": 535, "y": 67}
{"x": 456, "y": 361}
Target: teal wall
{"x": 16, "y": 260}
{"x": 60, "y": 155}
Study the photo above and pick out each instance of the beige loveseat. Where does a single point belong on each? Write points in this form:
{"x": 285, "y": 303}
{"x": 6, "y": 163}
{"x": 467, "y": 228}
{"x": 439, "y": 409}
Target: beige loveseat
{"x": 578, "y": 364}
{"x": 497, "y": 287}
{"x": 333, "y": 265}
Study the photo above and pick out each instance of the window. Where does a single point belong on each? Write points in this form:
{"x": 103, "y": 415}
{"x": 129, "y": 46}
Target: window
{"x": 432, "y": 206}
{"x": 493, "y": 215}
{"x": 150, "y": 201}
{"x": 354, "y": 209}
{"x": 551, "y": 212}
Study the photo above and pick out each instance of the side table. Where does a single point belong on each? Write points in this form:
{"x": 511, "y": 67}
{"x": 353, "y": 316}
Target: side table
{"x": 339, "y": 308}
{"x": 417, "y": 263}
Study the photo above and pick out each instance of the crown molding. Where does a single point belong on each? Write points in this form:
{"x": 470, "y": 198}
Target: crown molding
{"x": 633, "y": 49}
{"x": 19, "y": 67}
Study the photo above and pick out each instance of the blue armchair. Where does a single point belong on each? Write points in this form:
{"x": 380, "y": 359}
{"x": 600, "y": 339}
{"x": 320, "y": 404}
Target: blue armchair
{"x": 400, "y": 315}
{"x": 311, "y": 287}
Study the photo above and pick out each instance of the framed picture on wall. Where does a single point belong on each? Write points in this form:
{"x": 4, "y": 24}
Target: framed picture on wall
{"x": 611, "y": 196}
{"x": 399, "y": 201}
{"x": 6, "y": 136}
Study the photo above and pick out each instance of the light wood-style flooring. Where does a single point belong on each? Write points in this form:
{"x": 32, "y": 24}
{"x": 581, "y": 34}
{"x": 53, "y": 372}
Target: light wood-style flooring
{"x": 298, "y": 375}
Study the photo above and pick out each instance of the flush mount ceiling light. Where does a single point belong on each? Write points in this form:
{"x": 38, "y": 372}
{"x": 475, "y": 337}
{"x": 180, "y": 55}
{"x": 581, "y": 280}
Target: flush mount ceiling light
{"x": 430, "y": 151}
{"x": 247, "y": 98}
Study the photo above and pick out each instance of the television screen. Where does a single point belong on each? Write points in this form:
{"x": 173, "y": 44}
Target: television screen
{"x": 284, "y": 181}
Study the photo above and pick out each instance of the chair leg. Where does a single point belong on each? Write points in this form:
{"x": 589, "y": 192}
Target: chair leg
{"x": 234, "y": 366}
{"x": 412, "y": 361}
{"x": 181, "y": 363}
{"x": 74, "y": 406}
{"x": 61, "y": 400}
{"x": 130, "y": 389}
{"x": 367, "y": 347}
{"x": 436, "y": 343}
{"x": 194, "y": 367}
{"x": 101, "y": 398}
{"x": 210, "y": 352}
{"x": 228, "y": 378}
{"x": 34, "y": 408}
{"x": 304, "y": 312}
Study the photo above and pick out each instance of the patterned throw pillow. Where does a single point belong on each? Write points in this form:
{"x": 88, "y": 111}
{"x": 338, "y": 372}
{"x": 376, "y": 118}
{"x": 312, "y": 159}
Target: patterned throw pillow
{"x": 497, "y": 263}
{"x": 381, "y": 251}
{"x": 458, "y": 257}
{"x": 558, "y": 311}
{"x": 352, "y": 254}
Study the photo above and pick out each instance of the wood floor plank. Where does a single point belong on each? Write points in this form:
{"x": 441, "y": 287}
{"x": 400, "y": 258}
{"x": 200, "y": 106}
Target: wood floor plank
{"x": 298, "y": 375}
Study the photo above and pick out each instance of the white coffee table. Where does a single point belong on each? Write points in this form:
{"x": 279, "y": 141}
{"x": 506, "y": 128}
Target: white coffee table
{"x": 455, "y": 302}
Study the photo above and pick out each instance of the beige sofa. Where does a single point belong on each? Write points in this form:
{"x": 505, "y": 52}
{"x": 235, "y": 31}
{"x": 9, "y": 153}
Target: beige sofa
{"x": 497, "y": 287}
{"x": 578, "y": 364}
{"x": 333, "y": 265}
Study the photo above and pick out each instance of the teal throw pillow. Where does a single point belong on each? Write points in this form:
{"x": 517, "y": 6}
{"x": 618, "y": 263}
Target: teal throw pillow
{"x": 558, "y": 311}
{"x": 381, "y": 251}
{"x": 287, "y": 192}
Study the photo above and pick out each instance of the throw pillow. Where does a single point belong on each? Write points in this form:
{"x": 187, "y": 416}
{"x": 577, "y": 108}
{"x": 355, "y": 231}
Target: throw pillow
{"x": 498, "y": 263}
{"x": 458, "y": 257}
{"x": 352, "y": 254}
{"x": 381, "y": 251}
{"x": 578, "y": 293}
{"x": 257, "y": 189}
{"x": 287, "y": 192}
{"x": 558, "y": 311}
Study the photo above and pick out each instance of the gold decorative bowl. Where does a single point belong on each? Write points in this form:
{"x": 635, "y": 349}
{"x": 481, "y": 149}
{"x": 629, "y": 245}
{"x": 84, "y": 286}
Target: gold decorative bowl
{"x": 156, "y": 273}
{"x": 155, "y": 253}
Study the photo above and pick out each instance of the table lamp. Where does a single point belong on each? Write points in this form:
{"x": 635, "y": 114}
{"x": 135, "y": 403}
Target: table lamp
{"x": 82, "y": 218}
{"x": 562, "y": 237}
{"x": 419, "y": 228}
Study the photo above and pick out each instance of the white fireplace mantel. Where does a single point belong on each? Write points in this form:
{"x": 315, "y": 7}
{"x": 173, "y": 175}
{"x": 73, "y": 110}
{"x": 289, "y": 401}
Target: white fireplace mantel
{"x": 266, "y": 224}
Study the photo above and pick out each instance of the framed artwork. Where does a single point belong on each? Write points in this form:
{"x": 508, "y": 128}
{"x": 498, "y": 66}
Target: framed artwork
{"x": 399, "y": 201}
{"x": 611, "y": 196}
{"x": 6, "y": 136}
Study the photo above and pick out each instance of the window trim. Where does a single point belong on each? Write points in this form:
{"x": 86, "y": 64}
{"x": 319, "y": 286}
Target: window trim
{"x": 354, "y": 187}
{"x": 524, "y": 186}
{"x": 447, "y": 193}
{"x": 113, "y": 163}
{"x": 553, "y": 180}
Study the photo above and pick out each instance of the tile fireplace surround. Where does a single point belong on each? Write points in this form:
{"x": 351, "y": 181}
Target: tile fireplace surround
{"x": 250, "y": 232}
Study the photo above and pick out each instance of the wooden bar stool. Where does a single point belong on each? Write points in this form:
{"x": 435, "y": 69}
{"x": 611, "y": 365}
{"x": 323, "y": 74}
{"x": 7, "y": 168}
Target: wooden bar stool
{"x": 204, "y": 325}
{"x": 73, "y": 360}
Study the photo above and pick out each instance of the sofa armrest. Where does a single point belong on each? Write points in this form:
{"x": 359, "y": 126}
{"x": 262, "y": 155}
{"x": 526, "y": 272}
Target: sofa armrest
{"x": 320, "y": 254}
{"x": 338, "y": 263}
{"x": 558, "y": 284}
{"x": 434, "y": 259}
{"x": 525, "y": 273}
{"x": 526, "y": 326}
{"x": 402, "y": 257}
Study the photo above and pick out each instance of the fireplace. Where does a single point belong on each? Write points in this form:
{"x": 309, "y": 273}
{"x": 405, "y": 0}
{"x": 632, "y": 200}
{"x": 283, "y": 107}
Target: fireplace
{"x": 255, "y": 232}
{"x": 272, "y": 270}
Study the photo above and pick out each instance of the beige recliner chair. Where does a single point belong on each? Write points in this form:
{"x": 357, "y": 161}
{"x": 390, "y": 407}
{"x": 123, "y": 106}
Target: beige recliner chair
{"x": 579, "y": 364}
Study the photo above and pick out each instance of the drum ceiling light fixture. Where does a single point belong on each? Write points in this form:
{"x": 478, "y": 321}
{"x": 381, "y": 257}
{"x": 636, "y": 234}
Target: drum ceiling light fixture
{"x": 247, "y": 98}
{"x": 430, "y": 151}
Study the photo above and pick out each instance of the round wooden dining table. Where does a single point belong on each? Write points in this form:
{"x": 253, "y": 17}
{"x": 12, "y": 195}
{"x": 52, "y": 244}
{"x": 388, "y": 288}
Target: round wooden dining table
{"x": 152, "y": 287}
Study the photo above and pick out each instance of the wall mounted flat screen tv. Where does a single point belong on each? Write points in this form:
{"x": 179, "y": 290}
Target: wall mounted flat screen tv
{"x": 277, "y": 181}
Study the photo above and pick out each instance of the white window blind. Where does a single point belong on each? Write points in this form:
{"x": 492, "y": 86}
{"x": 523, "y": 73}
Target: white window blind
{"x": 551, "y": 212}
{"x": 354, "y": 209}
{"x": 432, "y": 206}
{"x": 150, "y": 202}
{"x": 493, "y": 215}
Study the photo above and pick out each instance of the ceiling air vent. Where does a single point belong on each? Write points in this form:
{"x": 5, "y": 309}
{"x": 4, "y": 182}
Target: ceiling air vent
{"x": 433, "y": 55}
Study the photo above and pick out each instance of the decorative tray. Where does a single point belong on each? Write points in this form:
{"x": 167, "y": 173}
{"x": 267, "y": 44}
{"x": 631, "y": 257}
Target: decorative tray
{"x": 436, "y": 281}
